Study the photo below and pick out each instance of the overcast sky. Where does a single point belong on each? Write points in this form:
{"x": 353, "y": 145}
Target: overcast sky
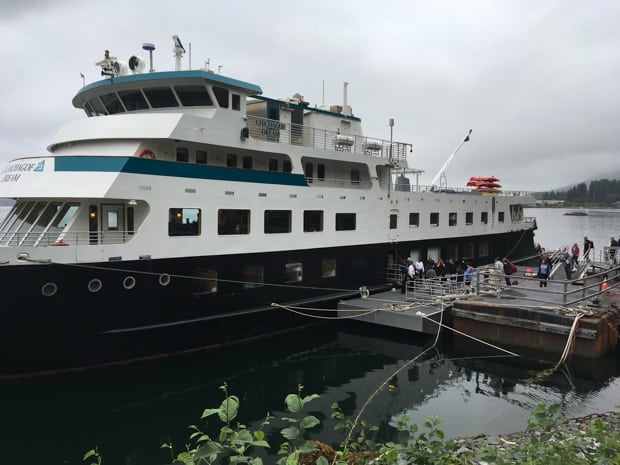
{"x": 537, "y": 81}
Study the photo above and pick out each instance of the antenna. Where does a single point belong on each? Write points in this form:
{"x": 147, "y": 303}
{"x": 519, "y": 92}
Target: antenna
{"x": 83, "y": 79}
{"x": 149, "y": 47}
{"x": 219, "y": 69}
{"x": 178, "y": 50}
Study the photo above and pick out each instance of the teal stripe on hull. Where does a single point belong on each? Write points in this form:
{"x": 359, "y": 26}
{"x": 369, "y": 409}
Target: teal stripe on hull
{"x": 136, "y": 165}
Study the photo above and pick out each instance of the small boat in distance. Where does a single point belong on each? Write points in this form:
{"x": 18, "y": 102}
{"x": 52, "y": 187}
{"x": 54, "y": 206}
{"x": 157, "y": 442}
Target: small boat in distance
{"x": 576, "y": 213}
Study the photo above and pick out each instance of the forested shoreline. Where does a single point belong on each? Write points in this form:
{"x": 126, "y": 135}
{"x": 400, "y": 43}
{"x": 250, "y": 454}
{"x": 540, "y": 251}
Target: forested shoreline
{"x": 600, "y": 193}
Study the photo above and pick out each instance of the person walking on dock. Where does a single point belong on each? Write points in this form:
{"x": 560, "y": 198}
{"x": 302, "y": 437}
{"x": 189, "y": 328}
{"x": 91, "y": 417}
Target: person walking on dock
{"x": 574, "y": 250}
{"x": 568, "y": 267}
{"x": 544, "y": 270}
{"x": 469, "y": 276}
{"x": 507, "y": 271}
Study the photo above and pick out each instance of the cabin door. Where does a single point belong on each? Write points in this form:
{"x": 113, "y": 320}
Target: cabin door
{"x": 112, "y": 223}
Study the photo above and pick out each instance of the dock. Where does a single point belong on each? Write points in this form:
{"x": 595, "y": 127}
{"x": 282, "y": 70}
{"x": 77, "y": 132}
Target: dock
{"x": 578, "y": 317}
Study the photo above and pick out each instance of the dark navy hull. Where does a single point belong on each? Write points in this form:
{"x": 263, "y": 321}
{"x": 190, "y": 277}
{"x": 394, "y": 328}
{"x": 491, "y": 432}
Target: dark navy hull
{"x": 164, "y": 309}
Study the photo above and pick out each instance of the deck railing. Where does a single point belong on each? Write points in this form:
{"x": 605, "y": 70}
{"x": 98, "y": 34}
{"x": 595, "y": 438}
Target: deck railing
{"x": 60, "y": 239}
{"x": 306, "y": 136}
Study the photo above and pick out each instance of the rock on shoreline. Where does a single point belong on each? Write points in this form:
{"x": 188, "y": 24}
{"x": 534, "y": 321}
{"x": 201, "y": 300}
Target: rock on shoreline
{"x": 511, "y": 442}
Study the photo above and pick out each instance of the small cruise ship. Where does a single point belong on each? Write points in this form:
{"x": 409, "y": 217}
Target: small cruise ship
{"x": 185, "y": 203}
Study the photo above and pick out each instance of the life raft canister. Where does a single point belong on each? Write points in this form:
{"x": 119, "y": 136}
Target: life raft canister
{"x": 146, "y": 153}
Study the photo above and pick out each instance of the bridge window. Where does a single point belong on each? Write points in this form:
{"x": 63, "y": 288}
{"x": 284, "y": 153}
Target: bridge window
{"x": 469, "y": 218}
{"x": 231, "y": 160}
{"x": 414, "y": 219}
{"x": 355, "y": 176}
{"x": 435, "y": 219}
{"x": 97, "y": 107}
{"x": 193, "y": 96}
{"x": 236, "y": 102}
{"x": 221, "y": 95}
{"x": 161, "y": 97}
{"x": 286, "y": 166}
{"x": 184, "y": 222}
{"x": 247, "y": 162}
{"x": 484, "y": 217}
{"x": 500, "y": 217}
{"x": 133, "y": 100}
{"x": 320, "y": 172}
{"x": 273, "y": 164}
{"x": 345, "y": 221}
{"x": 233, "y": 222}
{"x": 112, "y": 103}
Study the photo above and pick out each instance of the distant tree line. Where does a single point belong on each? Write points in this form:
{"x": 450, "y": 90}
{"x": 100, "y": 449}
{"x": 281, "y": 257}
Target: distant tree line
{"x": 602, "y": 192}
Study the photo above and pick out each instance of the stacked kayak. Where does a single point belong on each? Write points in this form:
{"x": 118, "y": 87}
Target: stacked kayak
{"x": 488, "y": 185}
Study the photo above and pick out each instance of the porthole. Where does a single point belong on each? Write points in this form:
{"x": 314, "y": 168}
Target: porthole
{"x": 129, "y": 282}
{"x": 95, "y": 285}
{"x": 49, "y": 289}
{"x": 164, "y": 279}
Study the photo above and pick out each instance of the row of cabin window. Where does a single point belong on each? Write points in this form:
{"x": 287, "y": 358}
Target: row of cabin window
{"x": 232, "y": 160}
{"x": 253, "y": 275}
{"x": 187, "y": 221}
{"x": 414, "y": 219}
{"x": 160, "y": 97}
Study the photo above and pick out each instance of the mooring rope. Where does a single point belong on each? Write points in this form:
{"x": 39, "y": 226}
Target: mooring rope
{"x": 382, "y": 385}
{"x": 569, "y": 343}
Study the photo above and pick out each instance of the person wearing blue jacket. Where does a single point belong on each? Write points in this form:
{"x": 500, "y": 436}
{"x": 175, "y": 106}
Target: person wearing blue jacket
{"x": 544, "y": 270}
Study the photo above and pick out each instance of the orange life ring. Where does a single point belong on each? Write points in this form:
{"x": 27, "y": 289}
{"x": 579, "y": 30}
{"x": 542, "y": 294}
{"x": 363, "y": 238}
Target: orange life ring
{"x": 146, "y": 153}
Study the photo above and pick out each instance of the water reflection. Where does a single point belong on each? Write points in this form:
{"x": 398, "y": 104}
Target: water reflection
{"x": 127, "y": 412}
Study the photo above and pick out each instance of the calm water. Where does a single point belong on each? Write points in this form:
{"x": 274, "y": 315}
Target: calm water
{"x": 127, "y": 412}
{"x": 555, "y": 229}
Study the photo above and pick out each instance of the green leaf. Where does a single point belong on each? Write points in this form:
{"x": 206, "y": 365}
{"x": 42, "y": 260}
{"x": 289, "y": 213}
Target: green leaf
{"x": 308, "y": 399}
{"x": 307, "y": 447}
{"x": 322, "y": 461}
{"x": 229, "y": 408}
{"x": 260, "y": 435}
{"x": 291, "y": 432}
{"x": 264, "y": 444}
{"x": 293, "y": 403}
{"x": 309, "y": 422}
{"x": 90, "y": 454}
{"x": 209, "y": 449}
{"x": 293, "y": 459}
{"x": 209, "y": 411}
{"x": 186, "y": 458}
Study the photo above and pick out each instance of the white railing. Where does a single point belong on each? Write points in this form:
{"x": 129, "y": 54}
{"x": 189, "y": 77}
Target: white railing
{"x": 298, "y": 134}
{"x": 60, "y": 239}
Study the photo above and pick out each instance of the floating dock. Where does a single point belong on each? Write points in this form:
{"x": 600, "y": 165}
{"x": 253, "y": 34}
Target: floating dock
{"x": 577, "y": 317}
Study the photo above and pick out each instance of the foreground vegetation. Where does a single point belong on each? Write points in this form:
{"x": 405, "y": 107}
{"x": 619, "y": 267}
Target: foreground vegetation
{"x": 595, "y": 443}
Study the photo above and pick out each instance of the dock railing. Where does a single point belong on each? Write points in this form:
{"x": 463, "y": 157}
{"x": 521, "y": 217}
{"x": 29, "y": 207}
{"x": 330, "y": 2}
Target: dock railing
{"x": 585, "y": 287}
